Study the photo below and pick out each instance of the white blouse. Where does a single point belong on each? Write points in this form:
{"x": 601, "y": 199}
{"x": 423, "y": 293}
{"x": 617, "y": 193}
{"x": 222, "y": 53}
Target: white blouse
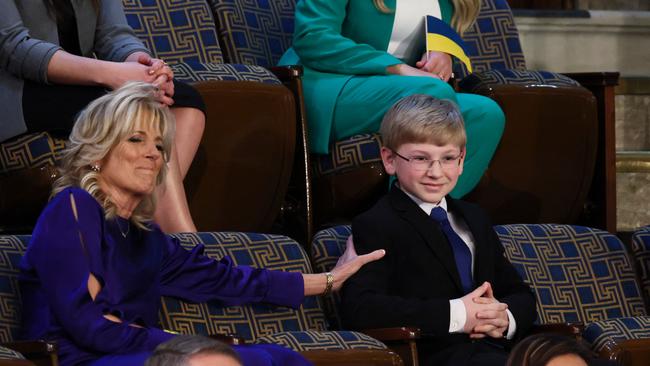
{"x": 407, "y": 37}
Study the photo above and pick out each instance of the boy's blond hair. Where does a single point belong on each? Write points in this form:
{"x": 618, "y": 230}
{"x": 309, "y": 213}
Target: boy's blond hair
{"x": 421, "y": 118}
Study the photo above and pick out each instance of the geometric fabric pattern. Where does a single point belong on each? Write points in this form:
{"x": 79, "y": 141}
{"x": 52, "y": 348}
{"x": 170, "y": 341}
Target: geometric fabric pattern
{"x": 248, "y": 321}
{"x": 327, "y": 246}
{"x": 483, "y": 81}
{"x": 348, "y": 154}
{"x": 6, "y": 353}
{"x": 175, "y": 30}
{"x": 578, "y": 274}
{"x": 641, "y": 254}
{"x": 30, "y": 151}
{"x": 197, "y": 71}
{"x": 493, "y": 40}
{"x": 313, "y": 340}
{"x": 11, "y": 251}
{"x": 605, "y": 334}
{"x": 254, "y": 32}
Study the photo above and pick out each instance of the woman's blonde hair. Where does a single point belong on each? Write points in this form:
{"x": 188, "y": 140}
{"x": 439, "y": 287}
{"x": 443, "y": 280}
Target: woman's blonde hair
{"x": 465, "y": 12}
{"x": 101, "y": 126}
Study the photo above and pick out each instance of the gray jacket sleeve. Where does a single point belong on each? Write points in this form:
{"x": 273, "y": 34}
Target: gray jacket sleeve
{"x": 114, "y": 38}
{"x": 21, "y": 55}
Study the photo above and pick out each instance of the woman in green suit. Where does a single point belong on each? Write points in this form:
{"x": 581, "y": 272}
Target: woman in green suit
{"x": 361, "y": 56}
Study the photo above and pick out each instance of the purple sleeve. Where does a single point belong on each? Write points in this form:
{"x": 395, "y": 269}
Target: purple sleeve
{"x": 63, "y": 263}
{"x": 195, "y": 277}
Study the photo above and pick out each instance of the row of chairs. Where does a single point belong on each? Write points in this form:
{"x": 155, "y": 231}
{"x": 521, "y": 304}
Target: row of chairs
{"x": 255, "y": 149}
{"x": 584, "y": 280}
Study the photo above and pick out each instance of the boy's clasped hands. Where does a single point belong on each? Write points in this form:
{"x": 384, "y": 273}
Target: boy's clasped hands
{"x": 486, "y": 316}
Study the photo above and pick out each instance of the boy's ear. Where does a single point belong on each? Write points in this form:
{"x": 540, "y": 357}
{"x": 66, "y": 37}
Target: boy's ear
{"x": 463, "y": 153}
{"x": 388, "y": 158}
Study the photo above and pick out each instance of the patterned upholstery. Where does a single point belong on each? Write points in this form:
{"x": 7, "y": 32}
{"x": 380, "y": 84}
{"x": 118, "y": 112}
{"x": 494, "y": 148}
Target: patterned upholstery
{"x": 198, "y": 71}
{"x": 30, "y": 150}
{"x": 11, "y": 251}
{"x": 605, "y": 334}
{"x": 481, "y": 82}
{"x": 577, "y": 273}
{"x": 311, "y": 340}
{"x": 493, "y": 40}
{"x": 348, "y": 154}
{"x": 254, "y": 32}
{"x": 641, "y": 252}
{"x": 6, "y": 353}
{"x": 175, "y": 30}
{"x": 327, "y": 246}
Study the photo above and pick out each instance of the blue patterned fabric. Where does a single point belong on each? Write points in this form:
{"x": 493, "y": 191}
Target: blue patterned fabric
{"x": 255, "y": 32}
{"x": 641, "y": 253}
{"x": 30, "y": 150}
{"x": 605, "y": 334}
{"x": 327, "y": 246}
{"x": 483, "y": 81}
{"x": 197, "y": 71}
{"x": 313, "y": 340}
{"x": 348, "y": 154}
{"x": 7, "y": 353}
{"x": 577, "y": 273}
{"x": 175, "y": 30}
{"x": 493, "y": 40}
{"x": 11, "y": 251}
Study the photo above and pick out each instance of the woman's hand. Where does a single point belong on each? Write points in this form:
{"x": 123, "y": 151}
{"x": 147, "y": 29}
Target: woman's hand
{"x": 406, "y": 70}
{"x": 436, "y": 63}
{"x": 347, "y": 265}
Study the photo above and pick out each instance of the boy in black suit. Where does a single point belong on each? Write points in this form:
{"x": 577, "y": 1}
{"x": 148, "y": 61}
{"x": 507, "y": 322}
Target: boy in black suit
{"x": 444, "y": 270}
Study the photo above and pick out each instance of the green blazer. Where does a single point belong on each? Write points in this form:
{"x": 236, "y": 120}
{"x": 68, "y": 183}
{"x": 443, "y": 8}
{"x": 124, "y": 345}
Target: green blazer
{"x": 335, "y": 40}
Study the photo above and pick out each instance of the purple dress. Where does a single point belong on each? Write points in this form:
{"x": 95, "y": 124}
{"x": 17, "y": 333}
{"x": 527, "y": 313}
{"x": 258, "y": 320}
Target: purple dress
{"x": 134, "y": 270}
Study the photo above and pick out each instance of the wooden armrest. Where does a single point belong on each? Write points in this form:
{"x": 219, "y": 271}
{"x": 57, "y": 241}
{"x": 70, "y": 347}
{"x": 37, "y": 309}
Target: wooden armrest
{"x": 31, "y": 347}
{"x": 8, "y": 362}
{"x": 394, "y": 334}
{"x": 353, "y": 357}
{"x": 594, "y": 78}
{"x": 232, "y": 340}
{"x": 631, "y": 352}
{"x": 569, "y": 329}
{"x": 287, "y": 73}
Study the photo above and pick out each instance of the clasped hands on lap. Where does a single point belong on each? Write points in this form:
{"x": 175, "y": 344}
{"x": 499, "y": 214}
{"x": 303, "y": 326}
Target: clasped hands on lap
{"x": 485, "y": 315}
{"x": 433, "y": 64}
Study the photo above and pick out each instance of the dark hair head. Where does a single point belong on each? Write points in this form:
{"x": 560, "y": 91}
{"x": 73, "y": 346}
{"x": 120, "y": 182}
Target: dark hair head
{"x": 539, "y": 349}
{"x": 178, "y": 350}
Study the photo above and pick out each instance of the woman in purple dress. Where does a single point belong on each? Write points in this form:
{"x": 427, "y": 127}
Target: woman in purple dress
{"x": 97, "y": 265}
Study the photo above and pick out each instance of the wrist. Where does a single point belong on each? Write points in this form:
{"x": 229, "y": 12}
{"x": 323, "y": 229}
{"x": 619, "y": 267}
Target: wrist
{"x": 395, "y": 69}
{"x": 329, "y": 282}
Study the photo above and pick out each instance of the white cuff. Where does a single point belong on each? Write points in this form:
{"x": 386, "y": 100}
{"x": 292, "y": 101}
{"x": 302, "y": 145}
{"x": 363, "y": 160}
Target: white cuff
{"x": 512, "y": 325}
{"x": 457, "y": 316}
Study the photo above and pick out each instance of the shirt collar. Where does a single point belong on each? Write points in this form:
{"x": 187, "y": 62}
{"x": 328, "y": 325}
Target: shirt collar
{"x": 426, "y": 206}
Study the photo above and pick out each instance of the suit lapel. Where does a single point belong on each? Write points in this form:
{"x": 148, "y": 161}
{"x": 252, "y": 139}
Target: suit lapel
{"x": 428, "y": 229}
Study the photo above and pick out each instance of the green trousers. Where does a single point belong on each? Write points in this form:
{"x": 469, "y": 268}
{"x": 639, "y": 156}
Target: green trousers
{"x": 364, "y": 100}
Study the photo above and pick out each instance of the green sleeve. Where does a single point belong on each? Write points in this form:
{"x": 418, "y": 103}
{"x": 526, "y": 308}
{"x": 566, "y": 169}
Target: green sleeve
{"x": 321, "y": 46}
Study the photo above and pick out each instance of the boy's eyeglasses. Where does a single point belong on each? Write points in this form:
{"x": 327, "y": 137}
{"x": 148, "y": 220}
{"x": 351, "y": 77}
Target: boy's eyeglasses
{"x": 422, "y": 163}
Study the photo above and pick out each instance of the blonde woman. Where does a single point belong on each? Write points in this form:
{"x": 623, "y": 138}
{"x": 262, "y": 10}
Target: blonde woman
{"x": 362, "y": 56}
{"x": 97, "y": 264}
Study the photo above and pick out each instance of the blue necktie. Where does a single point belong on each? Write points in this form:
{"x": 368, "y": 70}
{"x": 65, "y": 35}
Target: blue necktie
{"x": 462, "y": 255}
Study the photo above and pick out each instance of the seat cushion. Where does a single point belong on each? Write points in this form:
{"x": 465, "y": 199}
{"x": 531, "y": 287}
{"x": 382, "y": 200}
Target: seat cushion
{"x": 251, "y": 321}
{"x": 604, "y": 334}
{"x": 348, "y": 154}
{"x": 641, "y": 253}
{"x": 577, "y": 273}
{"x": 199, "y": 71}
{"x": 175, "y": 30}
{"x": 7, "y": 353}
{"x": 30, "y": 151}
{"x": 254, "y": 32}
{"x": 12, "y": 249}
{"x": 482, "y": 81}
{"x": 322, "y": 340}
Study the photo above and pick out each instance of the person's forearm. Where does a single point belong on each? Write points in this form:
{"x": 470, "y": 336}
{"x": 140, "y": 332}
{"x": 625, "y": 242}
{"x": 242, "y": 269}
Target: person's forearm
{"x": 314, "y": 283}
{"x": 66, "y": 68}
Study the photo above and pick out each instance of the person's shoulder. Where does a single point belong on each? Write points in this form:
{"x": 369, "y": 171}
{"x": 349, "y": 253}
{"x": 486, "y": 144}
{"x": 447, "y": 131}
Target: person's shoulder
{"x": 64, "y": 200}
{"x": 380, "y": 211}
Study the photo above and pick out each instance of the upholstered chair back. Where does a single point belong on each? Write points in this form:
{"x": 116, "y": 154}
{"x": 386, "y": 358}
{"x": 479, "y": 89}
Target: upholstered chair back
{"x": 577, "y": 273}
{"x": 12, "y": 249}
{"x": 641, "y": 253}
{"x": 254, "y": 32}
{"x": 175, "y": 30}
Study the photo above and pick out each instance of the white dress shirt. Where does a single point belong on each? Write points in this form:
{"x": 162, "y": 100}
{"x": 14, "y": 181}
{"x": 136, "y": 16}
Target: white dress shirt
{"x": 457, "y": 312}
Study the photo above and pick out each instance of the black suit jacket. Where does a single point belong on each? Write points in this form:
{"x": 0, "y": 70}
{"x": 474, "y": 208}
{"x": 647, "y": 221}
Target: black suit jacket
{"x": 413, "y": 283}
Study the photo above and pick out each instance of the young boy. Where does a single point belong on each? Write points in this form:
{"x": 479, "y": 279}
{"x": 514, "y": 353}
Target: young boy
{"x": 444, "y": 270}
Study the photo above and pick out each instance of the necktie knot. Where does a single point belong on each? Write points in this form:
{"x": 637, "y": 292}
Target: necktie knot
{"x": 439, "y": 214}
